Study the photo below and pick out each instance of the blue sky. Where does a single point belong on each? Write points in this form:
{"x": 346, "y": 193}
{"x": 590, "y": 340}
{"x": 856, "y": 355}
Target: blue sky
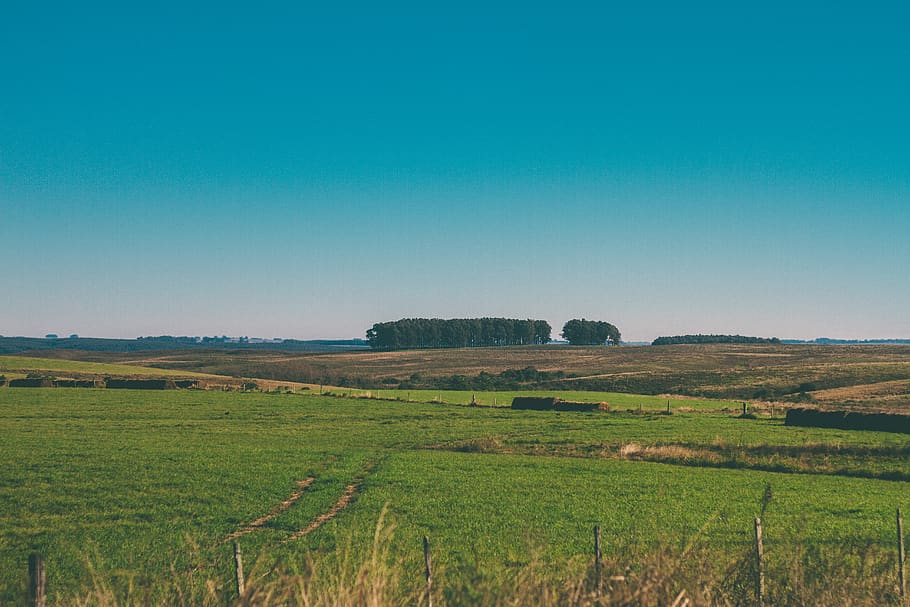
{"x": 304, "y": 170}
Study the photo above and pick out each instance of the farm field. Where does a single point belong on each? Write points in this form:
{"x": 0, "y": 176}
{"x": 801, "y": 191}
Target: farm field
{"x": 864, "y": 376}
{"x": 19, "y": 366}
{"x": 12, "y": 367}
{"x": 142, "y": 487}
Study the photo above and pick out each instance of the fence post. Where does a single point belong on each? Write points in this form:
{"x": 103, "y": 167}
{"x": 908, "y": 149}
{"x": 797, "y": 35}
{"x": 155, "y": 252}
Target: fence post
{"x": 238, "y": 570}
{"x": 759, "y": 564}
{"x": 37, "y": 584}
{"x": 597, "y": 564}
{"x": 429, "y": 571}
{"x": 901, "y": 572}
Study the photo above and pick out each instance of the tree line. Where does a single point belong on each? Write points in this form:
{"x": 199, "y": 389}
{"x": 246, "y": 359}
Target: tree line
{"x": 581, "y": 332}
{"x": 713, "y": 339}
{"x": 410, "y": 333}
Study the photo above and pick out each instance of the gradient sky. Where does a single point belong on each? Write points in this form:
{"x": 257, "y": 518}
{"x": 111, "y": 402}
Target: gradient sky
{"x": 306, "y": 169}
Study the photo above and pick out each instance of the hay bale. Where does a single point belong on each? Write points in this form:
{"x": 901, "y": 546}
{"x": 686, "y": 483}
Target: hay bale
{"x": 141, "y": 384}
{"x": 31, "y": 382}
{"x": 534, "y": 403}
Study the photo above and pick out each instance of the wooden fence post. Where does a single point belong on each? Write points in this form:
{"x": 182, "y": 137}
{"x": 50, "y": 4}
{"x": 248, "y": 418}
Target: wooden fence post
{"x": 759, "y": 564}
{"x": 429, "y": 570}
{"x": 597, "y": 564}
{"x": 37, "y": 584}
{"x": 668, "y": 406}
{"x": 901, "y": 572}
{"x": 238, "y": 570}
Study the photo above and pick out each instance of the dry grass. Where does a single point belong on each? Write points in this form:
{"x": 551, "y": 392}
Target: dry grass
{"x": 672, "y": 453}
{"x": 685, "y": 577}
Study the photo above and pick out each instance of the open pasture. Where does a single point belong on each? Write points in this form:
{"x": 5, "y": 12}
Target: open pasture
{"x": 137, "y": 486}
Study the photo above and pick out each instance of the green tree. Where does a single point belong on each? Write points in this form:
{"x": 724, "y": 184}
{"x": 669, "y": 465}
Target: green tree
{"x": 582, "y": 332}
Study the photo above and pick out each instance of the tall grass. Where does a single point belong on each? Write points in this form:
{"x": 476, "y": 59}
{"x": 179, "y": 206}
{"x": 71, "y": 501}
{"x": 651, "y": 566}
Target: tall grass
{"x": 689, "y": 576}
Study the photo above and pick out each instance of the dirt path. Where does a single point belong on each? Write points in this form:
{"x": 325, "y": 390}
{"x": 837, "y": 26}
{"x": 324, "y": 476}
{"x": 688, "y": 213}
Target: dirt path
{"x": 350, "y": 493}
{"x": 259, "y": 522}
{"x": 346, "y": 498}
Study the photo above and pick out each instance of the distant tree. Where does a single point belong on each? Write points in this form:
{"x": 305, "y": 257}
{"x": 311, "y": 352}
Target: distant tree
{"x": 713, "y": 339}
{"x": 456, "y": 333}
{"x": 582, "y": 332}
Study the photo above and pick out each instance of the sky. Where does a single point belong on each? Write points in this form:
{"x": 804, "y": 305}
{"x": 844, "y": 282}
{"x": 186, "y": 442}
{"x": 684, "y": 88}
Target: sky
{"x": 303, "y": 170}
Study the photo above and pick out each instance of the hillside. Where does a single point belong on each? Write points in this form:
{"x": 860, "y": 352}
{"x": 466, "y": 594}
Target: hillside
{"x": 869, "y": 374}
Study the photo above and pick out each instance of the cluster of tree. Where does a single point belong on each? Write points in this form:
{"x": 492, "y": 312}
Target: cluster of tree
{"x": 713, "y": 339}
{"x": 581, "y": 332}
{"x": 409, "y": 333}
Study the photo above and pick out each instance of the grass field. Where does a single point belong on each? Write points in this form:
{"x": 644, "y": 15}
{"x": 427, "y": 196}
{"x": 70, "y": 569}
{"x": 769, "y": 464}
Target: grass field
{"x": 868, "y": 375}
{"x": 141, "y": 486}
{"x": 616, "y": 400}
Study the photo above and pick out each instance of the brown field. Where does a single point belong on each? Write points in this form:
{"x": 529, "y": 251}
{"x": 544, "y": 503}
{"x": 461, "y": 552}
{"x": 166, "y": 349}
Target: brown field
{"x": 859, "y": 375}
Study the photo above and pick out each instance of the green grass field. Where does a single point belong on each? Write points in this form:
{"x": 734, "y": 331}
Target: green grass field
{"x": 616, "y": 400}
{"x": 17, "y": 366}
{"x": 138, "y": 484}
